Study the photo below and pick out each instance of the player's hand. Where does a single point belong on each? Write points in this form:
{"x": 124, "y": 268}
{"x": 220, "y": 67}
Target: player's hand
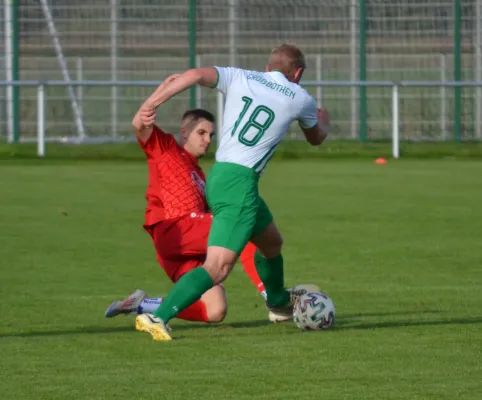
{"x": 323, "y": 119}
{"x": 147, "y": 115}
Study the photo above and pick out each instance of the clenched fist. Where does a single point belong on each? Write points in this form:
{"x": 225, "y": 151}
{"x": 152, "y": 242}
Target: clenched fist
{"x": 147, "y": 115}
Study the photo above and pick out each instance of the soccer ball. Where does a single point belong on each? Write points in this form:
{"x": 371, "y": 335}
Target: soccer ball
{"x": 314, "y": 312}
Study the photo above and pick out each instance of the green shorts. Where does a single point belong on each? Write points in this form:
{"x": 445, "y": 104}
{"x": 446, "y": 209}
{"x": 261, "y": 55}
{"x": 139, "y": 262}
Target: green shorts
{"x": 239, "y": 213}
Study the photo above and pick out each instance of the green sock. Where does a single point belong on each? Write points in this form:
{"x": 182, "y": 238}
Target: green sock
{"x": 270, "y": 271}
{"x": 185, "y": 292}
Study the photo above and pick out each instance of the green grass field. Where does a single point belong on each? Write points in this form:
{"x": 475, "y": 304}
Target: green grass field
{"x": 398, "y": 247}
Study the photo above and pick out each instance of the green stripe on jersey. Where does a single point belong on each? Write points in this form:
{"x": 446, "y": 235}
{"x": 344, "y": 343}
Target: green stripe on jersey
{"x": 261, "y": 164}
{"x": 217, "y": 78}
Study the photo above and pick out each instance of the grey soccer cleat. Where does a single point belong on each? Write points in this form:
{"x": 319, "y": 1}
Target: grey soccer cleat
{"x": 127, "y": 306}
{"x": 285, "y": 313}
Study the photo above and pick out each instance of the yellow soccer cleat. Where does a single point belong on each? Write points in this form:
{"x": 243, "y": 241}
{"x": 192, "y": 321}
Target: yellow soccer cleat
{"x": 285, "y": 313}
{"x": 156, "y": 327}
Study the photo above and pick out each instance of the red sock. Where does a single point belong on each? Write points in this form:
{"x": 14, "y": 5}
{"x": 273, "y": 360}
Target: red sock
{"x": 247, "y": 259}
{"x": 195, "y": 312}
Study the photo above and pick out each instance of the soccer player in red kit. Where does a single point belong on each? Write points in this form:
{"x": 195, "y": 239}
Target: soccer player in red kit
{"x": 177, "y": 216}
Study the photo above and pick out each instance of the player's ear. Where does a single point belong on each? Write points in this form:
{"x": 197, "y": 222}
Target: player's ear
{"x": 298, "y": 75}
{"x": 184, "y": 134}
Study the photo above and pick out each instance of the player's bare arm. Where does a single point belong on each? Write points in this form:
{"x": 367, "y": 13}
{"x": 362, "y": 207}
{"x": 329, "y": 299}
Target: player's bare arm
{"x": 145, "y": 117}
{"x": 203, "y": 76}
{"x": 318, "y": 133}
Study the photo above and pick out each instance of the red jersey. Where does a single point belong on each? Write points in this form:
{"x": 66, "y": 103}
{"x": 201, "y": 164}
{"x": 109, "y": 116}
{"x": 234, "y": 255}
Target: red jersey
{"x": 176, "y": 182}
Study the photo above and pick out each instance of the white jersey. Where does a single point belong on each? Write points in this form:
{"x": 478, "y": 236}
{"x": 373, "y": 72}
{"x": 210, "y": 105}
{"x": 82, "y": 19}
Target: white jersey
{"x": 259, "y": 109}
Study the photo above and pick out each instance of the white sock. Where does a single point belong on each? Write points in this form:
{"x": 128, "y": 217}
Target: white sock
{"x": 149, "y": 305}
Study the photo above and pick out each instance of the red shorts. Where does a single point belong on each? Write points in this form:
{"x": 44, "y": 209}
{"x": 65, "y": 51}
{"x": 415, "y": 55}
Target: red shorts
{"x": 181, "y": 244}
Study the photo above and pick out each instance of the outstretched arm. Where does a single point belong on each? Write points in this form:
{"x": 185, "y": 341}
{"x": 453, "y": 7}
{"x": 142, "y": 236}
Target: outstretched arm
{"x": 145, "y": 117}
{"x": 203, "y": 76}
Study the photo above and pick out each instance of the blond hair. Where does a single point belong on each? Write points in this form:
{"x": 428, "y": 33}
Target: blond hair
{"x": 287, "y": 58}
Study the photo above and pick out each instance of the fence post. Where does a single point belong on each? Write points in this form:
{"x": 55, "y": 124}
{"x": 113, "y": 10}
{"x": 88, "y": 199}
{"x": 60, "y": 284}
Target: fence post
{"x": 192, "y": 49}
{"x": 80, "y": 88}
{"x": 319, "y": 77}
{"x": 363, "y": 72}
{"x": 443, "y": 104}
{"x": 199, "y": 99}
{"x": 232, "y": 18}
{"x": 395, "y": 122}
{"x": 478, "y": 68}
{"x": 457, "y": 69}
{"x": 353, "y": 66}
{"x": 113, "y": 66}
{"x": 41, "y": 120}
{"x": 12, "y": 69}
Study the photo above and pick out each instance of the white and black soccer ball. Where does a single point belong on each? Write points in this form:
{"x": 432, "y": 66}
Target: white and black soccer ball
{"x": 314, "y": 312}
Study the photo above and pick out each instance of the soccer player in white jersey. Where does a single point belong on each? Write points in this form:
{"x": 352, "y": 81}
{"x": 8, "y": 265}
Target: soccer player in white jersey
{"x": 259, "y": 109}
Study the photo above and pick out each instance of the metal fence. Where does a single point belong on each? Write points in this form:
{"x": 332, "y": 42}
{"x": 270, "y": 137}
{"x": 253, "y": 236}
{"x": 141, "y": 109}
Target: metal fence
{"x": 369, "y": 40}
{"x": 429, "y": 113}
{"x": 396, "y": 122}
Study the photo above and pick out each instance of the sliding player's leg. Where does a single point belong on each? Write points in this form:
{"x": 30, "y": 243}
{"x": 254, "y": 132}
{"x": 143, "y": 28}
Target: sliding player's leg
{"x": 196, "y": 283}
{"x": 247, "y": 259}
{"x": 214, "y": 309}
{"x": 212, "y": 306}
{"x": 182, "y": 249}
{"x": 138, "y": 302}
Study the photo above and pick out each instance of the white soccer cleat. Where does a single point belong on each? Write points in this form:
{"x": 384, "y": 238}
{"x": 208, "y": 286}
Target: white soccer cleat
{"x": 156, "y": 327}
{"x": 285, "y": 313}
{"x": 127, "y": 306}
